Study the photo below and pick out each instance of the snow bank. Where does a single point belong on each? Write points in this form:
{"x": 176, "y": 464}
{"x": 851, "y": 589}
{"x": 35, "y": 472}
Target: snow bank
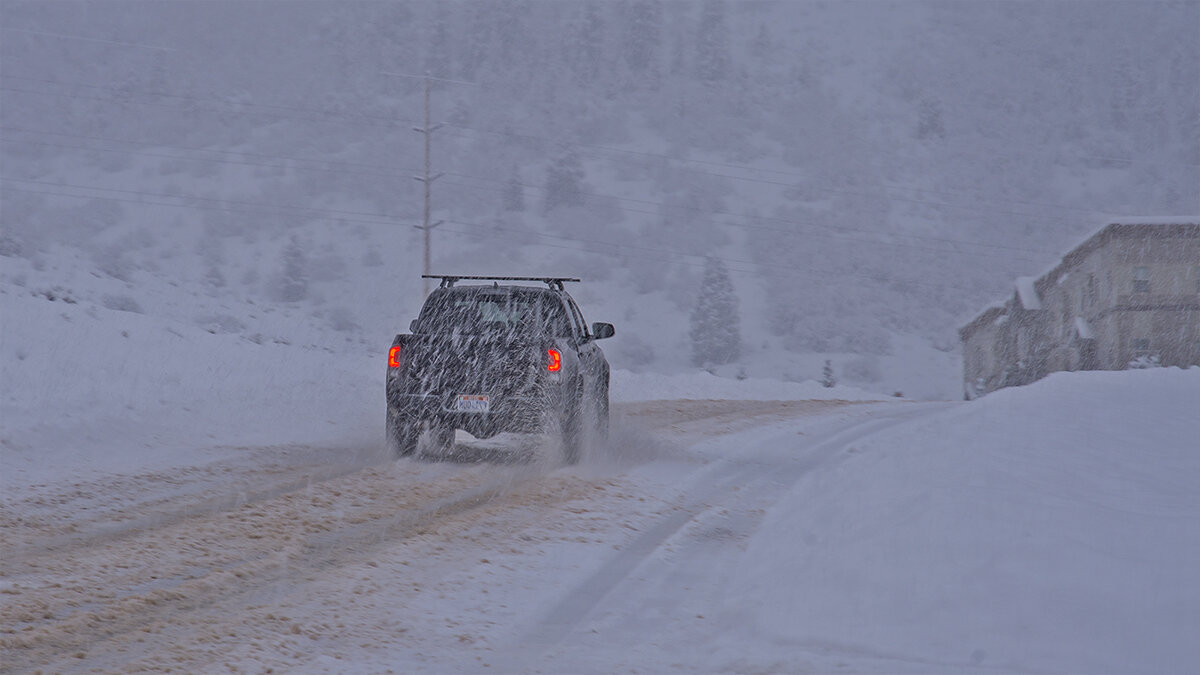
{"x": 1054, "y": 527}
{"x": 629, "y": 386}
{"x": 89, "y": 389}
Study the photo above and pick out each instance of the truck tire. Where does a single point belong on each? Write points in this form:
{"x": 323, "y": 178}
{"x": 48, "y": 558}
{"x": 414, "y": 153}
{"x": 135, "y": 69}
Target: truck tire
{"x": 440, "y": 440}
{"x": 572, "y": 430}
{"x": 600, "y": 405}
{"x": 401, "y": 435}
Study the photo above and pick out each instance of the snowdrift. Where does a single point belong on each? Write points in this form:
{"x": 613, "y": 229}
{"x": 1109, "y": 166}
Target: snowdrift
{"x": 629, "y": 386}
{"x": 1054, "y": 527}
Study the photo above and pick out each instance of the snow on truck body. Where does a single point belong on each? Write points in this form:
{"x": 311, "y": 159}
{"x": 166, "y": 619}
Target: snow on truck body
{"x": 488, "y": 358}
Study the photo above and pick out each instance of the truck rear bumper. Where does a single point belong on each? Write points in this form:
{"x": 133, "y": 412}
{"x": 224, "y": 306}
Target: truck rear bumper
{"x": 522, "y": 414}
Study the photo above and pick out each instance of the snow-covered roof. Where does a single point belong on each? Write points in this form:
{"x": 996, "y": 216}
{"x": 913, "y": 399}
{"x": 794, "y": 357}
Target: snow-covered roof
{"x": 1027, "y": 294}
{"x": 1159, "y": 220}
{"x": 989, "y": 316}
{"x": 1083, "y": 328}
{"x": 1124, "y": 223}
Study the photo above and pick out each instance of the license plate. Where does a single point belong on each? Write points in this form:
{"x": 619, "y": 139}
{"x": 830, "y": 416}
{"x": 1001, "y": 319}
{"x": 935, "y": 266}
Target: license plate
{"x": 472, "y": 404}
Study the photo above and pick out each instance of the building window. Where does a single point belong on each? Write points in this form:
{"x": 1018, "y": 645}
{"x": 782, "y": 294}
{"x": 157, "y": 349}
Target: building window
{"x": 1141, "y": 347}
{"x": 1091, "y": 290}
{"x": 1141, "y": 280}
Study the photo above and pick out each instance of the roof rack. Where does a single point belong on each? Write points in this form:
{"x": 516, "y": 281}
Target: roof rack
{"x": 448, "y": 281}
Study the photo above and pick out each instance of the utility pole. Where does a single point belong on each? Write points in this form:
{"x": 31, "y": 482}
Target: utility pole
{"x": 428, "y": 179}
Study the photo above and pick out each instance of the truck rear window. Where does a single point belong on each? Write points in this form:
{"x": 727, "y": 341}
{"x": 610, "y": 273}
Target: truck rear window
{"x": 473, "y": 313}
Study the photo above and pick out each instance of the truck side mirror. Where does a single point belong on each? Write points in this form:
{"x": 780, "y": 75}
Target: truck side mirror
{"x": 603, "y": 330}
{"x": 412, "y": 326}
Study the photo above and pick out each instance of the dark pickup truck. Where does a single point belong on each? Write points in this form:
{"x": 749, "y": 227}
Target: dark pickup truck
{"x": 489, "y": 358}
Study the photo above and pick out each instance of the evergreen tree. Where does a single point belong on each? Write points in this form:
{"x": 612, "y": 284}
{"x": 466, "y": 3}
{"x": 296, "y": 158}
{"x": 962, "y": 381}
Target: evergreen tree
{"x": 513, "y": 32}
{"x": 828, "y": 380}
{"x": 477, "y": 46}
{"x": 716, "y": 338}
{"x": 678, "y": 55}
{"x": 564, "y": 182}
{"x": 586, "y": 51}
{"x": 514, "y": 193}
{"x": 929, "y": 121}
{"x": 212, "y": 251}
{"x": 643, "y": 32}
{"x": 712, "y": 44}
{"x": 761, "y": 46}
{"x": 437, "y": 50}
{"x": 214, "y": 277}
{"x": 293, "y": 280}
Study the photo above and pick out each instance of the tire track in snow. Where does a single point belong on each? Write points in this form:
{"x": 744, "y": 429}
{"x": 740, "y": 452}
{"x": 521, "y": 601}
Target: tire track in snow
{"x": 56, "y": 518}
{"x": 113, "y": 527}
{"x": 110, "y": 599}
{"x": 116, "y": 591}
{"x": 757, "y": 484}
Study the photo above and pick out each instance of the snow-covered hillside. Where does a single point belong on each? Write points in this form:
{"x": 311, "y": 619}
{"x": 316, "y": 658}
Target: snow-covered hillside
{"x": 869, "y": 173}
{"x": 103, "y": 375}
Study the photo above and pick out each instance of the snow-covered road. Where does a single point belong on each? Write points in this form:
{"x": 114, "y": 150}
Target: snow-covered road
{"x": 664, "y": 596}
{"x": 1051, "y": 528}
{"x": 297, "y": 557}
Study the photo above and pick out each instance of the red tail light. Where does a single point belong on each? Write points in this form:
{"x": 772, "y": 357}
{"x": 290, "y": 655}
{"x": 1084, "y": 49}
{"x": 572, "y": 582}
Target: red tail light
{"x": 394, "y": 357}
{"x": 555, "y": 363}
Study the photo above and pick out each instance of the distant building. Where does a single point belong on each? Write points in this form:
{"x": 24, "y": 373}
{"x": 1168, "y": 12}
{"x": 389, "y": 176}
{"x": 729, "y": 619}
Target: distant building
{"x": 1126, "y": 297}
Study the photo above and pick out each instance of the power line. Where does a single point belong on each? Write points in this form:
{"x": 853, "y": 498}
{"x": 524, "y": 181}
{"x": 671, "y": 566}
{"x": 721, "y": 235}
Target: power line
{"x": 819, "y": 235}
{"x": 332, "y": 212}
{"x": 88, "y": 39}
{"x": 201, "y": 99}
{"x": 868, "y": 195}
{"x": 609, "y": 149}
{"x": 206, "y": 159}
{"x": 200, "y": 149}
{"x": 392, "y": 125}
{"x": 393, "y": 168}
{"x": 430, "y": 78}
{"x": 888, "y": 196}
{"x": 673, "y": 206}
{"x": 901, "y": 199}
{"x": 794, "y": 273}
{"x": 791, "y": 272}
{"x": 879, "y": 196}
{"x": 749, "y": 216}
{"x": 624, "y": 151}
{"x": 743, "y": 167}
{"x": 835, "y": 237}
